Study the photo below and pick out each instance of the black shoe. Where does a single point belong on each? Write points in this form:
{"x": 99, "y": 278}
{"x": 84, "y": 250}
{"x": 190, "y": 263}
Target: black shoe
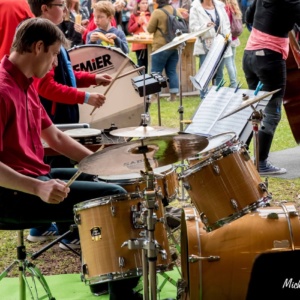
{"x": 99, "y": 289}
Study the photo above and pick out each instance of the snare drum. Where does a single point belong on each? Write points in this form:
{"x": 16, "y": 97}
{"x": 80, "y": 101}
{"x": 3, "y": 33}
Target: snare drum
{"x": 224, "y": 186}
{"x": 105, "y": 226}
{"x": 123, "y": 105}
{"x": 85, "y": 136}
{"x": 218, "y": 264}
{"x": 166, "y": 178}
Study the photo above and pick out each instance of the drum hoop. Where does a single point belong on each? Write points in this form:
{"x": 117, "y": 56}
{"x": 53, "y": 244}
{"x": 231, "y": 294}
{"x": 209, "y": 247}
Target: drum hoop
{"x": 105, "y": 200}
{"x": 223, "y": 145}
{"x": 114, "y": 49}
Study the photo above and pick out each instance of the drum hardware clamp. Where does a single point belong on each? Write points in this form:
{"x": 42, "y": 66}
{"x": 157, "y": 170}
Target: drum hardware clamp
{"x": 194, "y": 258}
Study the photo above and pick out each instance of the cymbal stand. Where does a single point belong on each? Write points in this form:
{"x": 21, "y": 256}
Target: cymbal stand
{"x": 181, "y": 111}
{"x": 256, "y": 119}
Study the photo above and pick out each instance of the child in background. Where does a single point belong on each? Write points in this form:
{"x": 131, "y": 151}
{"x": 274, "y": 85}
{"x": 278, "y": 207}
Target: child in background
{"x": 105, "y": 34}
{"x": 138, "y": 23}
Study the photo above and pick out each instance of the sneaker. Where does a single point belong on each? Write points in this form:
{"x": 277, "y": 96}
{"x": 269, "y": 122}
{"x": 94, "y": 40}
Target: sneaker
{"x": 41, "y": 234}
{"x": 74, "y": 244}
{"x": 266, "y": 168}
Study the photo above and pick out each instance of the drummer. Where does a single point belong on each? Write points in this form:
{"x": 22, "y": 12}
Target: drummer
{"x": 32, "y": 192}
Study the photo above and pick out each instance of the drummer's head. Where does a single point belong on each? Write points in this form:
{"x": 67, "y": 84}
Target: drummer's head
{"x": 53, "y": 10}
{"x": 35, "y": 47}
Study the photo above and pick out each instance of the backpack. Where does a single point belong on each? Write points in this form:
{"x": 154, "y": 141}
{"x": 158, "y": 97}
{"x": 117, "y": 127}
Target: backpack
{"x": 236, "y": 26}
{"x": 174, "y": 22}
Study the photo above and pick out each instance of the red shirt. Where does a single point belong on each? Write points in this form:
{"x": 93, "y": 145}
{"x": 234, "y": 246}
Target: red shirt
{"x": 12, "y": 13}
{"x": 22, "y": 118}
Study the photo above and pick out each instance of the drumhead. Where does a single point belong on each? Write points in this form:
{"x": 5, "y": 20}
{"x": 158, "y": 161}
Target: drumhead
{"x": 123, "y": 106}
{"x": 218, "y": 142}
{"x": 82, "y": 132}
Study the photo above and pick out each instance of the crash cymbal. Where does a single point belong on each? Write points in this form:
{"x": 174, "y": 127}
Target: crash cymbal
{"x": 249, "y": 102}
{"x": 143, "y": 131}
{"x": 130, "y": 157}
{"x": 180, "y": 39}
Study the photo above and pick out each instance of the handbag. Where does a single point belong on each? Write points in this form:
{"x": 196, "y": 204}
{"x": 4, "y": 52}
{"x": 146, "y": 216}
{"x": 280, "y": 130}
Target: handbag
{"x": 236, "y": 26}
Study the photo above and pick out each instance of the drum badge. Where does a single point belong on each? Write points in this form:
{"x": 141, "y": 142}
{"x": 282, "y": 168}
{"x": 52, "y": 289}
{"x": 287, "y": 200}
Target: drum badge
{"x": 96, "y": 234}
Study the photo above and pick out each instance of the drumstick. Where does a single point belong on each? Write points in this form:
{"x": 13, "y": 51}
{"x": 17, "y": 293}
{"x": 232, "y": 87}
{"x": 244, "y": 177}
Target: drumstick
{"x": 112, "y": 82}
{"x": 74, "y": 177}
{"x": 126, "y": 74}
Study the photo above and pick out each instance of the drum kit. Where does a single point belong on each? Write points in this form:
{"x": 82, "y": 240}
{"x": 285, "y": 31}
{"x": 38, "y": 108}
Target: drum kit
{"x": 227, "y": 225}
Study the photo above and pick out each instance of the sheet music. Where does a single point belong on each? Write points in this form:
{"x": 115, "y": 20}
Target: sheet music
{"x": 208, "y": 68}
{"x": 217, "y": 104}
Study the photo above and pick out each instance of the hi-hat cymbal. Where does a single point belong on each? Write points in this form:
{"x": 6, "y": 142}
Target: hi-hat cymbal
{"x": 180, "y": 39}
{"x": 130, "y": 157}
{"x": 249, "y": 102}
{"x": 144, "y": 131}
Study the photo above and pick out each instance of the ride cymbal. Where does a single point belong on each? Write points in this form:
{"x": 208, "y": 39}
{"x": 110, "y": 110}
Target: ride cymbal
{"x": 249, "y": 102}
{"x": 130, "y": 157}
{"x": 143, "y": 131}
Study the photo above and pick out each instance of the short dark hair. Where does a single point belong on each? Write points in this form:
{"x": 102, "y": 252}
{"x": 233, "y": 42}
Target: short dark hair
{"x": 35, "y": 6}
{"x": 36, "y": 29}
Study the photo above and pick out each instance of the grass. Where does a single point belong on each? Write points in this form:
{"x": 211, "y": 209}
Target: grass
{"x": 54, "y": 260}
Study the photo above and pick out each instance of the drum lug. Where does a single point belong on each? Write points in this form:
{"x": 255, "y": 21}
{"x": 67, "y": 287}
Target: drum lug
{"x": 216, "y": 169}
{"x": 187, "y": 186}
{"x": 121, "y": 262}
{"x": 182, "y": 287}
{"x": 113, "y": 211}
{"x": 85, "y": 269}
{"x": 246, "y": 155}
{"x": 194, "y": 258}
{"x": 77, "y": 219}
{"x": 234, "y": 204}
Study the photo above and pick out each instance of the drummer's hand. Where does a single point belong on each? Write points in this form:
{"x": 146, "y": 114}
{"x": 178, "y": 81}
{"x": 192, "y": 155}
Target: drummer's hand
{"x": 210, "y": 24}
{"x": 96, "y": 99}
{"x": 53, "y": 191}
{"x": 103, "y": 79}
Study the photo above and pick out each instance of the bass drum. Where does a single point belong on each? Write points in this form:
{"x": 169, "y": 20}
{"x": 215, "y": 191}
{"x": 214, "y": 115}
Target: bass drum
{"x": 218, "y": 264}
{"x": 123, "y": 106}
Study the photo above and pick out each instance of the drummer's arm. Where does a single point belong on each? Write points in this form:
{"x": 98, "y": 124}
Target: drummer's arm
{"x": 63, "y": 144}
{"x": 50, "y": 89}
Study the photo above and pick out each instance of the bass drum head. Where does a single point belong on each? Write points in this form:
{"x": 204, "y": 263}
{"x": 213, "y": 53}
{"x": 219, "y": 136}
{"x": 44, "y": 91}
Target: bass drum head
{"x": 123, "y": 106}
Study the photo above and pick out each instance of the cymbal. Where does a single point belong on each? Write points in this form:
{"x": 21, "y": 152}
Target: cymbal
{"x": 180, "y": 39}
{"x": 129, "y": 157}
{"x": 143, "y": 131}
{"x": 249, "y": 102}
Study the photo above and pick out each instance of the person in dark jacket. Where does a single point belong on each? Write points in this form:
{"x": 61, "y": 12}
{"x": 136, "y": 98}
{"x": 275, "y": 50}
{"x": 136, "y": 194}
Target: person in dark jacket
{"x": 264, "y": 62}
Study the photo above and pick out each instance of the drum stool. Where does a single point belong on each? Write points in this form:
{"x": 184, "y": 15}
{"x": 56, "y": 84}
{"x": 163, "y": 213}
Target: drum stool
{"x": 25, "y": 266}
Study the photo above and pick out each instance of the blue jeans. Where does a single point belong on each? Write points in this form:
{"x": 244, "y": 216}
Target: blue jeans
{"x": 229, "y": 63}
{"x": 167, "y": 60}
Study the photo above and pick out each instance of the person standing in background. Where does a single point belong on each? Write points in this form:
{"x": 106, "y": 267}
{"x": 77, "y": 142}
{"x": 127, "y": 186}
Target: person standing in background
{"x": 138, "y": 24}
{"x": 12, "y": 13}
{"x": 233, "y": 11}
{"x": 167, "y": 59}
{"x": 76, "y": 15}
{"x": 203, "y": 14}
{"x": 264, "y": 62}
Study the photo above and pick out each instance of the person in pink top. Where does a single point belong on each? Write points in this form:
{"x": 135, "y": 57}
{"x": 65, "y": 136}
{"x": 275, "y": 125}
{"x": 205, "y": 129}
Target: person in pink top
{"x": 12, "y": 13}
{"x": 138, "y": 23}
{"x": 264, "y": 63}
